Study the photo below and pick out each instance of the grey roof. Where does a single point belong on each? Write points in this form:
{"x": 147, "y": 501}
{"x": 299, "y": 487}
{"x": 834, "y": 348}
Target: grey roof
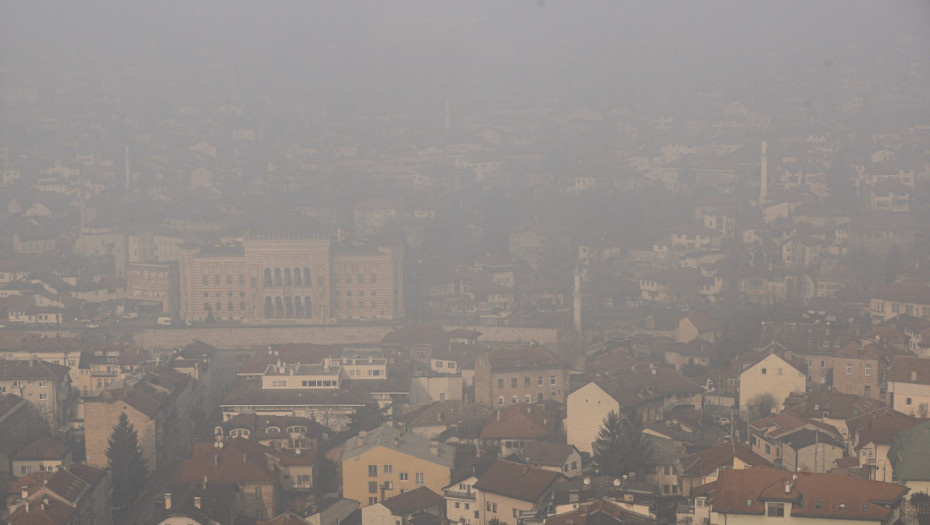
{"x": 396, "y": 439}
{"x": 910, "y": 453}
{"x": 543, "y": 453}
{"x": 806, "y": 437}
{"x": 664, "y": 451}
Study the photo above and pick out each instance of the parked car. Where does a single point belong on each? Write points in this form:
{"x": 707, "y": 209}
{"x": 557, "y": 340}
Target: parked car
{"x": 723, "y": 421}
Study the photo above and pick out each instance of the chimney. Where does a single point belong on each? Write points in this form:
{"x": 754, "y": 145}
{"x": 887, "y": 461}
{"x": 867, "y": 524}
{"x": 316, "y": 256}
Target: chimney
{"x": 167, "y": 501}
{"x": 396, "y": 441}
{"x": 24, "y": 492}
{"x": 27, "y": 506}
{"x": 196, "y": 502}
{"x": 205, "y": 479}
{"x": 434, "y": 447}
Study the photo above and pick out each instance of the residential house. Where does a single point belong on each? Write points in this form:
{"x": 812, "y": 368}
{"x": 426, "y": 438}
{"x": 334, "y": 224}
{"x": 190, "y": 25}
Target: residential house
{"x": 416, "y": 342}
{"x": 75, "y": 495}
{"x": 780, "y": 439}
{"x": 276, "y": 432}
{"x": 20, "y": 424}
{"x": 704, "y": 467}
{"x": 239, "y": 464}
{"x": 908, "y": 383}
{"x": 105, "y": 364}
{"x": 765, "y": 495}
{"x": 436, "y": 418}
{"x": 769, "y": 371}
{"x": 833, "y": 408}
{"x": 44, "y": 454}
{"x": 510, "y": 428}
{"x": 507, "y": 489}
{"x": 461, "y": 501}
{"x": 557, "y": 457}
{"x": 198, "y": 504}
{"x": 870, "y": 437}
{"x": 388, "y": 461}
{"x": 911, "y": 298}
{"x": 860, "y": 369}
{"x": 526, "y": 375}
{"x": 636, "y": 391}
{"x": 46, "y": 385}
{"x": 403, "y": 507}
{"x": 328, "y": 511}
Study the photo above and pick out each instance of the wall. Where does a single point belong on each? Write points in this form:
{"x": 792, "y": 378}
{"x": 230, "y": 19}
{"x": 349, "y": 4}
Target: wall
{"x": 586, "y": 409}
{"x": 355, "y": 476}
{"x": 241, "y": 336}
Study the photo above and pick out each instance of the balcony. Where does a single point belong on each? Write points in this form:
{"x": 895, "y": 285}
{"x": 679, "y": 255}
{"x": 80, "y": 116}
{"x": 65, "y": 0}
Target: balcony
{"x": 470, "y": 496}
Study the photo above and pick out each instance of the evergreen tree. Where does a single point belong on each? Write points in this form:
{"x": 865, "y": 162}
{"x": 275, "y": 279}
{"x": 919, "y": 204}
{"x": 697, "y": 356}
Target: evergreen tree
{"x": 125, "y": 461}
{"x": 609, "y": 446}
{"x": 621, "y": 447}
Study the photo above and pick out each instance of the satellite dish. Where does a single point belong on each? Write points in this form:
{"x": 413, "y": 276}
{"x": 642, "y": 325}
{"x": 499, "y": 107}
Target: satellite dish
{"x": 587, "y": 482}
{"x": 653, "y": 371}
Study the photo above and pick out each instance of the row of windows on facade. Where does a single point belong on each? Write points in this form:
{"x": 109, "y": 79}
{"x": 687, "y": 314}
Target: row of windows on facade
{"x": 309, "y": 383}
{"x": 526, "y": 399}
{"x": 867, "y": 369}
{"x": 389, "y": 469}
{"x": 526, "y": 381}
{"x": 42, "y": 396}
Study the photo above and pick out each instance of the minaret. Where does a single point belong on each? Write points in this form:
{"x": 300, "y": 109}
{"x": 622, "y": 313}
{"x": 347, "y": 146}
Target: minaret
{"x": 763, "y": 192}
{"x": 126, "y": 161}
{"x": 577, "y": 300}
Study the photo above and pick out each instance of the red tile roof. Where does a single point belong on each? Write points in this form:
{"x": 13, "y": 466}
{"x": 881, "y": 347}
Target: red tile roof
{"x": 53, "y": 513}
{"x": 43, "y": 448}
{"x": 601, "y": 511}
{"x": 521, "y": 422}
{"x": 238, "y": 461}
{"x": 413, "y": 501}
{"x": 32, "y": 369}
{"x": 814, "y": 495}
{"x": 704, "y": 463}
{"x": 908, "y": 369}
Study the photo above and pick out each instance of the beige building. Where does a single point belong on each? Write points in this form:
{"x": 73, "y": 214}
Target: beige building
{"x": 42, "y": 455}
{"x": 46, "y": 385}
{"x": 507, "y": 489}
{"x": 153, "y": 282}
{"x": 386, "y": 461}
{"x": 909, "y": 386}
{"x": 221, "y": 283}
{"x": 773, "y": 375}
{"x": 528, "y": 375}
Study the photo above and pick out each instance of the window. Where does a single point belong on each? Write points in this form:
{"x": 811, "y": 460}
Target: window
{"x": 404, "y": 476}
{"x": 849, "y": 370}
{"x": 764, "y": 371}
{"x": 868, "y": 370}
{"x": 457, "y": 505}
{"x": 420, "y": 478}
{"x": 776, "y": 510}
{"x": 552, "y": 380}
{"x": 500, "y": 382}
{"x": 513, "y": 382}
{"x": 526, "y": 381}
{"x": 439, "y": 364}
{"x": 42, "y": 383}
{"x": 389, "y": 469}
{"x": 513, "y": 400}
{"x": 258, "y": 490}
{"x": 280, "y": 383}
{"x": 823, "y": 364}
{"x": 515, "y": 512}
{"x": 768, "y": 449}
{"x": 372, "y": 470}
{"x": 490, "y": 507}
{"x": 539, "y": 381}
{"x": 500, "y": 400}
{"x": 389, "y": 485}
{"x": 373, "y": 487}
{"x": 372, "y": 500}
{"x": 908, "y": 401}
{"x": 780, "y": 371}
{"x": 526, "y": 398}
{"x": 868, "y": 391}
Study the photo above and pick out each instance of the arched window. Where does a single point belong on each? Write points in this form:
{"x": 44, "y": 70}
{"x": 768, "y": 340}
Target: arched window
{"x": 307, "y": 281}
{"x": 298, "y": 308}
{"x": 287, "y": 277}
{"x": 277, "y": 277}
{"x": 288, "y": 306}
{"x": 268, "y": 277}
{"x": 308, "y": 310}
{"x": 296, "y": 276}
{"x": 269, "y": 308}
{"x": 278, "y": 307}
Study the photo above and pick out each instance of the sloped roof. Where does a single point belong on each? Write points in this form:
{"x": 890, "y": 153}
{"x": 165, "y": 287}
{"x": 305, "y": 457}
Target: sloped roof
{"x": 404, "y": 442}
{"x": 54, "y": 513}
{"x": 236, "y": 462}
{"x": 516, "y": 481}
{"x": 601, "y": 512}
{"x": 815, "y": 404}
{"x": 532, "y": 357}
{"x": 522, "y": 421}
{"x": 43, "y": 448}
{"x": 701, "y": 322}
{"x": 32, "y": 369}
{"x": 705, "y": 462}
{"x": 824, "y": 495}
{"x": 413, "y": 501}
{"x": 544, "y": 453}
{"x": 909, "y": 369}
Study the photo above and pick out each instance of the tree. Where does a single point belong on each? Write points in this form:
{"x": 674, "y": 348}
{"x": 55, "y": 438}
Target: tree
{"x": 760, "y": 406}
{"x": 125, "y": 461}
{"x": 620, "y": 447}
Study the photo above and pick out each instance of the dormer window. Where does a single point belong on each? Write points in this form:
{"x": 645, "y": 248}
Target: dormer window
{"x": 274, "y": 430}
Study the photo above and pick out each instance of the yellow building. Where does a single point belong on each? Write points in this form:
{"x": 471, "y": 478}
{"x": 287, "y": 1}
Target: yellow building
{"x": 387, "y": 461}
